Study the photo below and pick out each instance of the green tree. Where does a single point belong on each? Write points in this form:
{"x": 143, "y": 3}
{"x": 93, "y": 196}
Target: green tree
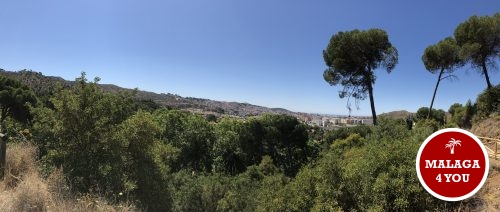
{"x": 285, "y": 140}
{"x": 437, "y": 115}
{"x": 442, "y": 57}
{"x": 147, "y": 161}
{"x": 479, "y": 39}
{"x": 14, "y": 102}
{"x": 228, "y": 150}
{"x": 191, "y": 134}
{"x": 454, "y": 108}
{"x": 240, "y": 144}
{"x": 462, "y": 115}
{"x": 488, "y": 102}
{"x": 352, "y": 57}
{"x": 83, "y": 126}
{"x": 344, "y": 132}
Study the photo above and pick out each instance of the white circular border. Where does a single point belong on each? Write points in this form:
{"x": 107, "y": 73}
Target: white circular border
{"x": 486, "y": 157}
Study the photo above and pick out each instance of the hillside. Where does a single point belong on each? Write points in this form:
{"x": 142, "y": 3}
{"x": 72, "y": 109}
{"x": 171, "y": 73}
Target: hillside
{"x": 489, "y": 127}
{"x": 44, "y": 85}
{"x": 400, "y": 114}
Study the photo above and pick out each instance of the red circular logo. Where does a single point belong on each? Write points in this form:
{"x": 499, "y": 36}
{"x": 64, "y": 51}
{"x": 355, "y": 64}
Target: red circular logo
{"x": 452, "y": 164}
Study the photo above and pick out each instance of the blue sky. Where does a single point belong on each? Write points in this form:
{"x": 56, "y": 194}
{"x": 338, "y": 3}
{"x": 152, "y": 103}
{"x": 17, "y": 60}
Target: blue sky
{"x": 262, "y": 52}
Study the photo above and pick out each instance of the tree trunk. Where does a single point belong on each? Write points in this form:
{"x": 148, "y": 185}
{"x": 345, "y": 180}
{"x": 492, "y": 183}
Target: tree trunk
{"x": 3, "y": 145}
{"x": 435, "y": 91}
{"x": 3, "y": 142}
{"x": 372, "y": 101}
{"x": 485, "y": 72}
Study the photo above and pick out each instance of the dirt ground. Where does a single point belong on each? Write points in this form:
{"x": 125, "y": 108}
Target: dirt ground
{"x": 488, "y": 198}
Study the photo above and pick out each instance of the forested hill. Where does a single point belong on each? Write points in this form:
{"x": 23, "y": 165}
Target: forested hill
{"x": 44, "y": 85}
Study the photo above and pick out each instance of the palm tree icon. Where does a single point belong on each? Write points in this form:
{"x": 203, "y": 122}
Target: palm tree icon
{"x": 451, "y": 144}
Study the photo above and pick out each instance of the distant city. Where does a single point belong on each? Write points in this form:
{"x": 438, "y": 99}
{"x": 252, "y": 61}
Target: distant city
{"x": 332, "y": 121}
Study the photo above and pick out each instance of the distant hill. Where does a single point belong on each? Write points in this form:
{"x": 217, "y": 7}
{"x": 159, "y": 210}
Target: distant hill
{"x": 400, "y": 114}
{"x": 44, "y": 85}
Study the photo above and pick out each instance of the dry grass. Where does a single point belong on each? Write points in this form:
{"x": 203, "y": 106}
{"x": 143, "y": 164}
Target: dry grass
{"x": 31, "y": 194}
{"x": 23, "y": 189}
{"x": 489, "y": 127}
{"x": 20, "y": 161}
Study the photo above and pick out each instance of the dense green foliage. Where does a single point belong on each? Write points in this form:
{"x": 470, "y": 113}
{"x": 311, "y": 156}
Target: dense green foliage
{"x": 244, "y": 143}
{"x": 437, "y": 115}
{"x": 171, "y": 160}
{"x": 175, "y": 160}
{"x": 106, "y": 144}
{"x": 488, "y": 102}
{"x": 83, "y": 118}
{"x": 443, "y": 55}
{"x": 14, "y": 100}
{"x": 353, "y": 56}
{"x": 461, "y": 116}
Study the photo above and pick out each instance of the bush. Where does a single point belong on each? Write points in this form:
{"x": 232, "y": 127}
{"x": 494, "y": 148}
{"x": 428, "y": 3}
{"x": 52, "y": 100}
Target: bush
{"x": 240, "y": 144}
{"x": 438, "y": 115}
{"x": 461, "y": 116}
{"x": 428, "y": 124}
{"x": 359, "y": 174}
{"x": 344, "y": 132}
{"x": 390, "y": 128}
{"x": 78, "y": 134}
{"x": 146, "y": 162}
{"x": 191, "y": 134}
{"x": 354, "y": 140}
{"x": 488, "y": 102}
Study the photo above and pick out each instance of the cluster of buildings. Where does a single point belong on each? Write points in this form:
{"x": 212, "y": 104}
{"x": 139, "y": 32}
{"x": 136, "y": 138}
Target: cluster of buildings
{"x": 329, "y": 121}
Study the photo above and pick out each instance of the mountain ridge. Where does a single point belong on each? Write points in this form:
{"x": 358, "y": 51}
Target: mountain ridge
{"x": 44, "y": 85}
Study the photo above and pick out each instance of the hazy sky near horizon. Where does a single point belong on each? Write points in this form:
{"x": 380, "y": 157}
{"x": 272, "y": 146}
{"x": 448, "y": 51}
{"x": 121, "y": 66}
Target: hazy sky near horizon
{"x": 262, "y": 52}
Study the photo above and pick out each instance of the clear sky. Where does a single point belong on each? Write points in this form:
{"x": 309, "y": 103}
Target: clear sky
{"x": 264, "y": 52}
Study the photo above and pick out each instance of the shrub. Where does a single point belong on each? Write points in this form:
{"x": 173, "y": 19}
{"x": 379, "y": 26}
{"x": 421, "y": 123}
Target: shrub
{"x": 344, "y": 132}
{"x": 146, "y": 162}
{"x": 191, "y": 134}
{"x": 461, "y": 116}
{"x": 240, "y": 144}
{"x": 437, "y": 115}
{"x": 77, "y": 134}
{"x": 354, "y": 140}
{"x": 360, "y": 174}
{"x": 488, "y": 102}
{"x": 390, "y": 128}
{"x": 429, "y": 124}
